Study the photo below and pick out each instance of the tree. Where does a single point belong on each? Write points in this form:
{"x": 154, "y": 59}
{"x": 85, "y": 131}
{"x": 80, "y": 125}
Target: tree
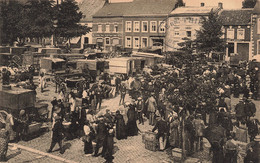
{"x": 249, "y": 3}
{"x": 68, "y": 18}
{"x": 11, "y": 14}
{"x": 40, "y": 14}
{"x": 209, "y": 36}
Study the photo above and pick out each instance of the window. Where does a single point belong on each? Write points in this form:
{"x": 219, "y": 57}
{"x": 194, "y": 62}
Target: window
{"x": 144, "y": 42}
{"x": 115, "y": 28}
{"x": 99, "y": 28}
{"x": 188, "y": 33}
{"x": 107, "y": 41}
{"x": 86, "y": 40}
{"x": 162, "y": 27}
{"x": 145, "y": 26}
{"x": 128, "y": 43}
{"x": 136, "y": 42}
{"x": 230, "y": 33}
{"x": 137, "y": 26}
{"x": 128, "y": 27}
{"x": 258, "y": 26}
{"x": 258, "y": 46}
{"x": 153, "y": 26}
{"x": 107, "y": 28}
{"x": 240, "y": 34}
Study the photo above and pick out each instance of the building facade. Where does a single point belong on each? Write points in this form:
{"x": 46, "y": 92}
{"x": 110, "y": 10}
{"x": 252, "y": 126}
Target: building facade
{"x": 88, "y": 9}
{"x": 183, "y": 23}
{"x": 237, "y": 33}
{"x": 136, "y": 25}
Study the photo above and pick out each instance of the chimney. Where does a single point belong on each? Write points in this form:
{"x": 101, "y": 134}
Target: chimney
{"x": 220, "y": 5}
{"x": 202, "y": 4}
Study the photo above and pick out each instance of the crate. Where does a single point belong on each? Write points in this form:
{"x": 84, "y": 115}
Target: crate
{"x": 151, "y": 145}
{"x": 177, "y": 154}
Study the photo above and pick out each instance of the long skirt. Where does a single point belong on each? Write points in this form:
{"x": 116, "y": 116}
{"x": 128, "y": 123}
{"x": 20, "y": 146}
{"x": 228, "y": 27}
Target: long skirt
{"x": 88, "y": 147}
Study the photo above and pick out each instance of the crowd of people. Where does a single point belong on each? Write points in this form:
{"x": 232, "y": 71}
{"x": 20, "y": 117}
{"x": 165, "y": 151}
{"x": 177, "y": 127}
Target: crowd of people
{"x": 185, "y": 103}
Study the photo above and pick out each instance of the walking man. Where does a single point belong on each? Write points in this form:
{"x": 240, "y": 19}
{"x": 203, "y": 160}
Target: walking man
{"x": 151, "y": 108}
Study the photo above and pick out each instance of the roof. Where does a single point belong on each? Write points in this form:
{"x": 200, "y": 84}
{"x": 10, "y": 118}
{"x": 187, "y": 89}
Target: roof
{"x": 257, "y": 8}
{"x": 192, "y": 10}
{"x": 89, "y": 8}
{"x": 236, "y": 17}
{"x": 137, "y": 8}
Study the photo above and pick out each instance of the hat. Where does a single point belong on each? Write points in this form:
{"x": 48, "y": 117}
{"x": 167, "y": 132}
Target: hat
{"x": 22, "y": 112}
{"x": 150, "y": 83}
{"x": 257, "y": 138}
{"x": 139, "y": 98}
{"x": 127, "y": 103}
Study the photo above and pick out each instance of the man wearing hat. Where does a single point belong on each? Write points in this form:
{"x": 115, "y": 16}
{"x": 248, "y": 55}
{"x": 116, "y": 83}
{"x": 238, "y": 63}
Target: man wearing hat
{"x": 139, "y": 108}
{"x": 57, "y": 134}
{"x": 199, "y": 126}
{"x": 152, "y": 105}
{"x": 240, "y": 111}
{"x": 101, "y": 133}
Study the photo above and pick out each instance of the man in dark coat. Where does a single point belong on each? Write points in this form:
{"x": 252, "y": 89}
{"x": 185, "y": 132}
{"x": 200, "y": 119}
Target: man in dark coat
{"x": 57, "y": 134}
{"x": 109, "y": 143}
{"x": 120, "y": 126}
{"x": 250, "y": 108}
{"x": 131, "y": 124}
{"x": 162, "y": 127}
{"x": 240, "y": 111}
{"x": 100, "y": 137}
{"x": 253, "y": 129}
{"x": 99, "y": 96}
{"x": 140, "y": 108}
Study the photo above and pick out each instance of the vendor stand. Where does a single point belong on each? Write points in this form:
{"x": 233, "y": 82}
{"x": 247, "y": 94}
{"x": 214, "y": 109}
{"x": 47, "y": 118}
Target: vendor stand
{"x": 151, "y": 59}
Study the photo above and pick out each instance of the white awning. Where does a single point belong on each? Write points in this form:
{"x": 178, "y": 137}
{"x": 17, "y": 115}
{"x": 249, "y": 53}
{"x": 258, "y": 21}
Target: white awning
{"x": 74, "y": 40}
{"x": 142, "y": 54}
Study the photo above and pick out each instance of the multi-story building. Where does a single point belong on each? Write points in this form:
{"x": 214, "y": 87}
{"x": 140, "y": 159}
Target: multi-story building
{"x": 183, "y": 23}
{"x": 138, "y": 24}
{"x": 256, "y": 31}
{"x": 89, "y": 8}
{"x": 237, "y": 33}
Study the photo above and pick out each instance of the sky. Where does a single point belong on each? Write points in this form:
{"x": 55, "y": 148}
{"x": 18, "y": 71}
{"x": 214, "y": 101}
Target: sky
{"x": 227, "y": 4}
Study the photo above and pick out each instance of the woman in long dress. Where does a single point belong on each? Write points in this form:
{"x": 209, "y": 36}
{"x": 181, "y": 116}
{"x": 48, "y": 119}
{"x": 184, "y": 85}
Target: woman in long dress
{"x": 174, "y": 132}
{"x": 88, "y": 148}
{"x": 4, "y": 138}
{"x": 120, "y": 126}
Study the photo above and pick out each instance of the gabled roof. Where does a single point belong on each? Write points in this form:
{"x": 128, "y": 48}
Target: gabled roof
{"x": 89, "y": 8}
{"x": 137, "y": 8}
{"x": 193, "y": 10}
{"x": 257, "y": 8}
{"x": 236, "y": 17}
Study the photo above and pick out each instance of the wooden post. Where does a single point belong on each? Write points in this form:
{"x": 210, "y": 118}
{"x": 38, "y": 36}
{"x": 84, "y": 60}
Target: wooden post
{"x": 41, "y": 153}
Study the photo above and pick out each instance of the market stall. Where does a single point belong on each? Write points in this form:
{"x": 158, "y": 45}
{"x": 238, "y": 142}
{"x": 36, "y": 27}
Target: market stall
{"x": 150, "y": 58}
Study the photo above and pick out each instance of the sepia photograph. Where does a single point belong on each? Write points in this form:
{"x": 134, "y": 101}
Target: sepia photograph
{"x": 130, "y": 81}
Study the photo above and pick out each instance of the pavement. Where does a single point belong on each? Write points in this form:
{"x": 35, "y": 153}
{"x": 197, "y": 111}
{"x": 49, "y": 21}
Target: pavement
{"x": 130, "y": 150}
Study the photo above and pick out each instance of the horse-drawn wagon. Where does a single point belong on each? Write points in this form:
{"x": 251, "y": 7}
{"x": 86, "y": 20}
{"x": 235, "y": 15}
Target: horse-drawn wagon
{"x": 13, "y": 100}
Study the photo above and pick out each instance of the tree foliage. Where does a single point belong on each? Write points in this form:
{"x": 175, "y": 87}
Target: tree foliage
{"x": 209, "y": 36}
{"x": 249, "y": 3}
{"x": 68, "y": 18}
